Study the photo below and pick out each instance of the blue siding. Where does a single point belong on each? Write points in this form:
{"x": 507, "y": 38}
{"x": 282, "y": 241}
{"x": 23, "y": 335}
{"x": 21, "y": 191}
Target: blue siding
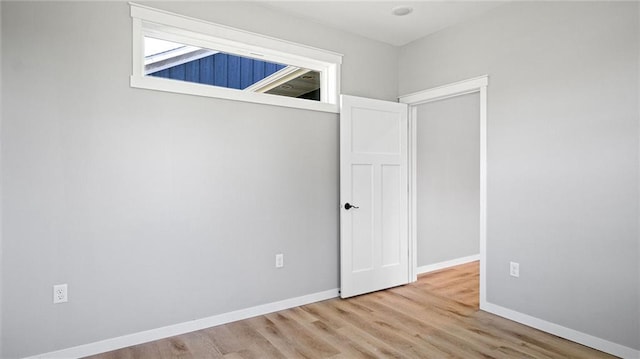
{"x": 269, "y": 68}
{"x": 258, "y": 69}
{"x": 206, "y": 70}
{"x": 246, "y": 72}
{"x": 221, "y": 70}
{"x": 192, "y": 70}
{"x": 177, "y": 72}
{"x": 233, "y": 72}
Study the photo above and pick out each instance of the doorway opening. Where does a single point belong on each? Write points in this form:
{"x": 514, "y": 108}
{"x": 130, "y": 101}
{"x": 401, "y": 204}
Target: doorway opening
{"x": 477, "y": 86}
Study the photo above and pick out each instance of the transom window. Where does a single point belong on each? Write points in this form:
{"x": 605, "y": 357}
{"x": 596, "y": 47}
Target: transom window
{"x": 185, "y": 55}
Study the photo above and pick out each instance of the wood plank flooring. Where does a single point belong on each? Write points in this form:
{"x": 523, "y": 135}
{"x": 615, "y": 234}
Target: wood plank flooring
{"x": 436, "y": 317}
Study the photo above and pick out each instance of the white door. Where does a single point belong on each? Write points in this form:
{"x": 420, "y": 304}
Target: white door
{"x": 374, "y": 238}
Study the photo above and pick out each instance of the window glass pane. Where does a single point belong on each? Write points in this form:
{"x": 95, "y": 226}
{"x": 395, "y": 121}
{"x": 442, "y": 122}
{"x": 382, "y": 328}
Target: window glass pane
{"x": 171, "y": 60}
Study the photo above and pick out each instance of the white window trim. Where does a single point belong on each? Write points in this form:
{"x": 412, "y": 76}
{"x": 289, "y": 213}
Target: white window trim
{"x": 162, "y": 24}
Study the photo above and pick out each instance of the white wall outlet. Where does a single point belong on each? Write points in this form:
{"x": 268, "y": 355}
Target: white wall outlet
{"x": 60, "y": 294}
{"x": 514, "y": 269}
{"x": 279, "y": 260}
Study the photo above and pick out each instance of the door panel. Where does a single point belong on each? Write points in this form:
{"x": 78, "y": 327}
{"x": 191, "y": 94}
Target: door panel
{"x": 373, "y": 167}
{"x": 375, "y": 132}
{"x": 390, "y": 206}
{"x": 362, "y": 220}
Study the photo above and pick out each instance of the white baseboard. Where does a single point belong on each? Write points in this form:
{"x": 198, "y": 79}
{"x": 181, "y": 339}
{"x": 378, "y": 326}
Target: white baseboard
{"x": 186, "y": 327}
{"x": 563, "y": 332}
{"x": 447, "y": 264}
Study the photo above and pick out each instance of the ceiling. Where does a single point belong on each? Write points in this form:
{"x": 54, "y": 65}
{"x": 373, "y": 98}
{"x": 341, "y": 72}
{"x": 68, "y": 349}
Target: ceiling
{"x": 374, "y": 20}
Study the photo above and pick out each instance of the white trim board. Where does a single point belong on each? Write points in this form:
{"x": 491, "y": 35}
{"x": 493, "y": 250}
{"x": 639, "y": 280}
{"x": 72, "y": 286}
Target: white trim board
{"x": 563, "y": 332}
{"x": 446, "y": 264}
{"x": 185, "y": 327}
{"x": 446, "y": 91}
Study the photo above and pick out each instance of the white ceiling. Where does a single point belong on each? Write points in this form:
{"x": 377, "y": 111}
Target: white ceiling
{"x": 373, "y": 19}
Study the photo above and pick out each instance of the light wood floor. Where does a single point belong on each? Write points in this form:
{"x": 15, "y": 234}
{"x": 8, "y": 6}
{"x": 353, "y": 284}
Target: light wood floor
{"x": 436, "y": 317}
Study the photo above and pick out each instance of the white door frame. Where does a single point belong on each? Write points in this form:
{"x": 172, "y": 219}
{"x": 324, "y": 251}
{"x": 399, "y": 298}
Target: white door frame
{"x": 477, "y": 84}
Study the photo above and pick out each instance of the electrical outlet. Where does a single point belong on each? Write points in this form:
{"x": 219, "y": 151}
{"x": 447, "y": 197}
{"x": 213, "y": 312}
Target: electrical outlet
{"x": 279, "y": 260}
{"x": 60, "y": 294}
{"x": 514, "y": 269}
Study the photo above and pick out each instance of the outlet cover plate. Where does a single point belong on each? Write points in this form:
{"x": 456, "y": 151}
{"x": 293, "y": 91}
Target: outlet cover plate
{"x": 514, "y": 269}
{"x": 279, "y": 260}
{"x": 60, "y": 293}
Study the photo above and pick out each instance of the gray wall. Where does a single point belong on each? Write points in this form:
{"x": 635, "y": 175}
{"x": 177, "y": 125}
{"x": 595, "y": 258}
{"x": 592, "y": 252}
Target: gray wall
{"x": 562, "y": 157}
{"x": 156, "y": 208}
{"x": 448, "y": 179}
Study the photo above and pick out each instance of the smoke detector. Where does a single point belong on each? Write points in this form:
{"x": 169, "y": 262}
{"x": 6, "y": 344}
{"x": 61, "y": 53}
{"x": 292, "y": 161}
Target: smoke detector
{"x": 401, "y": 10}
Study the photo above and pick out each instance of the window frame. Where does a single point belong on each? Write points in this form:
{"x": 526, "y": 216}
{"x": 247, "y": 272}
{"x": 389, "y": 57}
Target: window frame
{"x": 169, "y": 26}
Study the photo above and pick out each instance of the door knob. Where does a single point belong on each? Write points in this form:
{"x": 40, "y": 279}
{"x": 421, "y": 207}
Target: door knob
{"x": 348, "y": 206}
